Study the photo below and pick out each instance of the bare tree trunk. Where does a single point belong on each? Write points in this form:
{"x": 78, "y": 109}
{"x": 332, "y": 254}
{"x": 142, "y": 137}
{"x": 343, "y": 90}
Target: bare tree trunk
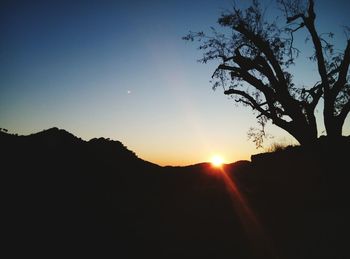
{"x": 333, "y": 123}
{"x": 305, "y": 134}
{"x": 333, "y": 126}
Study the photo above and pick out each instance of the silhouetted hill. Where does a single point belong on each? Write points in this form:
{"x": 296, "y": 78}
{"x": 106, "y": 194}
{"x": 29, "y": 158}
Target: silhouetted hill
{"x": 97, "y": 196}
{"x": 66, "y": 195}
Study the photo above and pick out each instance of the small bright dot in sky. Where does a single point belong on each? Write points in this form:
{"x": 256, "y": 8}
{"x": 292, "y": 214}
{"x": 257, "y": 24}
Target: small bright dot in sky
{"x": 129, "y": 92}
{"x": 217, "y": 161}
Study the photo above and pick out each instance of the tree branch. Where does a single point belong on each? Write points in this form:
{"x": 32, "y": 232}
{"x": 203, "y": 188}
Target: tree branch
{"x": 252, "y": 101}
{"x": 266, "y": 49}
{"x": 266, "y": 70}
{"x": 295, "y": 17}
{"x": 291, "y": 48}
{"x": 243, "y": 73}
{"x": 310, "y": 25}
{"x": 288, "y": 126}
{"x": 226, "y": 59}
{"x": 261, "y": 65}
{"x": 345, "y": 111}
{"x": 316, "y": 93}
{"x": 316, "y": 96}
{"x": 309, "y": 22}
{"x": 343, "y": 71}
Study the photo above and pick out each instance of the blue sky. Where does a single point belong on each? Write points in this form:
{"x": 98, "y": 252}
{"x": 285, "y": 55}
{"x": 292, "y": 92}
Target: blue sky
{"x": 120, "y": 69}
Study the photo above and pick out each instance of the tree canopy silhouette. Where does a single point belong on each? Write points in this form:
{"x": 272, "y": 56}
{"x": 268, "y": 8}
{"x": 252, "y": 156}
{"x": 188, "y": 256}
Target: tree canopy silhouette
{"x": 254, "y": 58}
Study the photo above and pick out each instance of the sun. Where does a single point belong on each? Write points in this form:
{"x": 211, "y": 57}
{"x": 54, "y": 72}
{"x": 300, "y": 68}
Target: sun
{"x": 217, "y": 161}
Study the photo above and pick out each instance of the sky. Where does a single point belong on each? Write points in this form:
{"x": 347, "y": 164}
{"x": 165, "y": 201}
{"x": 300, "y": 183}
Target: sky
{"x": 120, "y": 70}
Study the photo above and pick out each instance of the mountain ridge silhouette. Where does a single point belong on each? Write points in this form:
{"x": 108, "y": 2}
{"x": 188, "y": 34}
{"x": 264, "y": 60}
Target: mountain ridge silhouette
{"x": 96, "y": 197}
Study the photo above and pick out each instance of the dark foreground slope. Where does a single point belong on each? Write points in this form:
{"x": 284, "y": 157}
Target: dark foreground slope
{"x": 302, "y": 194}
{"x": 66, "y": 196}
{"x": 97, "y": 197}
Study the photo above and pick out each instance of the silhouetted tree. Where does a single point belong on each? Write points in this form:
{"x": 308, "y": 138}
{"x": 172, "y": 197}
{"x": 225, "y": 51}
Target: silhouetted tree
{"x": 254, "y": 58}
{"x": 332, "y": 67}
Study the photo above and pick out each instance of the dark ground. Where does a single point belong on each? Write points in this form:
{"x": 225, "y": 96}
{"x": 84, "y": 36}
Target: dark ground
{"x": 68, "y": 197}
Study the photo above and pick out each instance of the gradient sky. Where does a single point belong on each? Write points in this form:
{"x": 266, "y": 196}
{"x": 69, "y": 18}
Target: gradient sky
{"x": 119, "y": 69}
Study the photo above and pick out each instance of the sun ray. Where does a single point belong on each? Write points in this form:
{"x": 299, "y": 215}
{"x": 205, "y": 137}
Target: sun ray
{"x": 255, "y": 233}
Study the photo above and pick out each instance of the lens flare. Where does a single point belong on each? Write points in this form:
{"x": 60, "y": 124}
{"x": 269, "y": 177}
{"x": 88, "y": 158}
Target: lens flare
{"x": 260, "y": 241}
